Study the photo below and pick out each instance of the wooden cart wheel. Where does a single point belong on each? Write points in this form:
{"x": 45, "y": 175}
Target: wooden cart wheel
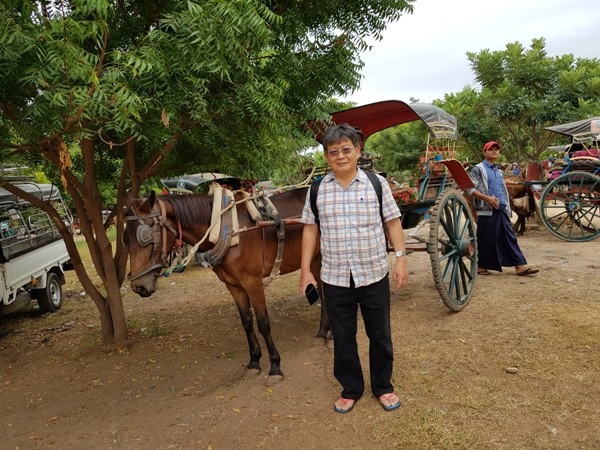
{"x": 452, "y": 249}
{"x": 570, "y": 207}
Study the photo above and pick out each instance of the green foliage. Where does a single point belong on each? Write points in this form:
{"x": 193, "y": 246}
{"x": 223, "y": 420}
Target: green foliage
{"x": 238, "y": 78}
{"x": 40, "y": 177}
{"x": 474, "y": 125}
{"x": 137, "y": 90}
{"x": 237, "y": 74}
{"x": 398, "y": 149}
{"x": 522, "y": 92}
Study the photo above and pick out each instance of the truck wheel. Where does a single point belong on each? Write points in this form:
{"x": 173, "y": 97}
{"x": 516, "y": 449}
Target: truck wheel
{"x": 50, "y": 298}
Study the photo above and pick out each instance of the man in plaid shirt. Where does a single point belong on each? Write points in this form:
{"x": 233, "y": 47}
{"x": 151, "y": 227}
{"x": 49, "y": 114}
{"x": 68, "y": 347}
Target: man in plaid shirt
{"x": 355, "y": 267}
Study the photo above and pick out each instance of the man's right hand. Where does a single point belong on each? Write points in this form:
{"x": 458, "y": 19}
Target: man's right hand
{"x": 493, "y": 202}
{"x": 306, "y": 278}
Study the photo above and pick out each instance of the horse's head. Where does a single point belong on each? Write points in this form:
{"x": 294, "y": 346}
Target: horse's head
{"x": 149, "y": 237}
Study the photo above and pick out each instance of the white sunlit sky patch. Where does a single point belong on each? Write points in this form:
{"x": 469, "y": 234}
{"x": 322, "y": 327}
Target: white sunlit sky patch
{"x": 423, "y": 55}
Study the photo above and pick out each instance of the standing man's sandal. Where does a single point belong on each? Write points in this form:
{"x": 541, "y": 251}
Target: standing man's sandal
{"x": 345, "y": 405}
{"x": 389, "y": 402}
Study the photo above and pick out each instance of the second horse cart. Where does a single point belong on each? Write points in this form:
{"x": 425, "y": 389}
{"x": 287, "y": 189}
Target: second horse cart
{"x": 570, "y": 200}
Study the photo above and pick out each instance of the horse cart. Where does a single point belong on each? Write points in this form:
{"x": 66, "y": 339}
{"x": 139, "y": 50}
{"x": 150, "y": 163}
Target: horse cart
{"x": 569, "y": 200}
{"x": 439, "y": 221}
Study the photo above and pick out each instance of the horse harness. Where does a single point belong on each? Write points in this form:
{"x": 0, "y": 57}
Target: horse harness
{"x": 262, "y": 210}
{"x": 155, "y": 234}
{"x": 270, "y": 212}
{"x": 223, "y": 217}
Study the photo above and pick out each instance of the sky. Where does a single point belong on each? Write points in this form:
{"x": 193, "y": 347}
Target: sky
{"x": 423, "y": 55}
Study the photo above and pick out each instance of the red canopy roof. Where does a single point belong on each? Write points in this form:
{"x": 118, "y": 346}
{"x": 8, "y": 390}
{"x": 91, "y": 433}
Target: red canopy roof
{"x": 378, "y": 116}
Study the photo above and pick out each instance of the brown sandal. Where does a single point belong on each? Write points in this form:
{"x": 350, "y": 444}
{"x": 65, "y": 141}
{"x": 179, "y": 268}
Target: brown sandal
{"x": 482, "y": 271}
{"x": 527, "y": 271}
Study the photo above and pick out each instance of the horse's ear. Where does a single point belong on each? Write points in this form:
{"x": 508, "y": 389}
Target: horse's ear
{"x": 149, "y": 203}
{"x": 128, "y": 199}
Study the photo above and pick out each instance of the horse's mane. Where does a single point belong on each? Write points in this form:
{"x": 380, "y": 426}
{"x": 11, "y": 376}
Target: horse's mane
{"x": 190, "y": 209}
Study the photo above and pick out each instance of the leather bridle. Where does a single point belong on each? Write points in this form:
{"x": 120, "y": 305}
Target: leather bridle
{"x": 155, "y": 234}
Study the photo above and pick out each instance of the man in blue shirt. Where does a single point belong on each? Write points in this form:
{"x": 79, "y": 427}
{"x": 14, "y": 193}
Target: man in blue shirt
{"x": 496, "y": 240}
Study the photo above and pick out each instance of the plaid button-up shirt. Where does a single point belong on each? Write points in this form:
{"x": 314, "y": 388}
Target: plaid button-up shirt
{"x": 352, "y": 237}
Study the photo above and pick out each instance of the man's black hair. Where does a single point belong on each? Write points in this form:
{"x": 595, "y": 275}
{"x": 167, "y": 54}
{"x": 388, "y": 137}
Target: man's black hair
{"x": 339, "y": 132}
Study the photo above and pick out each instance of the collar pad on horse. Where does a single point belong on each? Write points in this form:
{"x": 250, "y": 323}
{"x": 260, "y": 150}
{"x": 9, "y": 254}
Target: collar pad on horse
{"x": 224, "y": 227}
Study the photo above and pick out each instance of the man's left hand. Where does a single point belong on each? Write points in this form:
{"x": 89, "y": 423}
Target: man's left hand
{"x": 400, "y": 272}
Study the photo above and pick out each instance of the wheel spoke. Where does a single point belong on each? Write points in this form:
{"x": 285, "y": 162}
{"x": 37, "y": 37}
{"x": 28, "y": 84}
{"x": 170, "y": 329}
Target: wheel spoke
{"x": 453, "y": 249}
{"x": 570, "y": 206}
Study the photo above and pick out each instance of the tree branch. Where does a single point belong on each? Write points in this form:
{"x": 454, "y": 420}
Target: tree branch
{"x": 151, "y": 166}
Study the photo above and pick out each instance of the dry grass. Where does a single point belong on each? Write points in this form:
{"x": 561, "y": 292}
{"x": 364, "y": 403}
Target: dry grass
{"x": 183, "y": 366}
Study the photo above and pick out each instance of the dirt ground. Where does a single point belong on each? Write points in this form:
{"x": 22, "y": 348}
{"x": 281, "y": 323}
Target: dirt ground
{"x": 180, "y": 382}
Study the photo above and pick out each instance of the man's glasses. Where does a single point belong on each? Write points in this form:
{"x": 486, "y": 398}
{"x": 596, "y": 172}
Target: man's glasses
{"x": 336, "y": 151}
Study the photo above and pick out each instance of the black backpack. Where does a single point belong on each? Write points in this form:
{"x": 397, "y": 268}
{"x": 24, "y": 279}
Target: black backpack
{"x": 314, "y": 190}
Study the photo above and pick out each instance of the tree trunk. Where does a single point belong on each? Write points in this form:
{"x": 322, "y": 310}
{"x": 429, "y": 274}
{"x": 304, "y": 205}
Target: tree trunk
{"x": 119, "y": 323}
{"x": 86, "y": 199}
{"x": 106, "y": 324}
{"x": 85, "y": 193}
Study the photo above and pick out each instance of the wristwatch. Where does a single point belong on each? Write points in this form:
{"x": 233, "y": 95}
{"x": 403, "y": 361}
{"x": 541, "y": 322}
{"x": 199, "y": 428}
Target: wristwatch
{"x": 400, "y": 254}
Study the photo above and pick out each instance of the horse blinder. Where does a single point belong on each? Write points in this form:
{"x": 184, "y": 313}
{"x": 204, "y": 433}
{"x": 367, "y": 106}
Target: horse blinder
{"x": 145, "y": 235}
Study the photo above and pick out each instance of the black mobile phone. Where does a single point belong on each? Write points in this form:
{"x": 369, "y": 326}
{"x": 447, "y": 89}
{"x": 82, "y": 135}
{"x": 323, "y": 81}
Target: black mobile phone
{"x": 312, "y": 294}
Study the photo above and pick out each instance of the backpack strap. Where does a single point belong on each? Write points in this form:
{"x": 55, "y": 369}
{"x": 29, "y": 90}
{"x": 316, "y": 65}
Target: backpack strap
{"x": 314, "y": 190}
{"x": 378, "y": 190}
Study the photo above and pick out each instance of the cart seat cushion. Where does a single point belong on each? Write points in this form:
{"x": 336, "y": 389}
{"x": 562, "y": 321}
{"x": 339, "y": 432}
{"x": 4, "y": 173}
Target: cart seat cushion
{"x": 589, "y": 152}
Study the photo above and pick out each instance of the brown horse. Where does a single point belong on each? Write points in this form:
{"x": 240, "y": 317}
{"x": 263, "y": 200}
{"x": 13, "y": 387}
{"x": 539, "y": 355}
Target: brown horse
{"x": 155, "y": 223}
{"x": 521, "y": 201}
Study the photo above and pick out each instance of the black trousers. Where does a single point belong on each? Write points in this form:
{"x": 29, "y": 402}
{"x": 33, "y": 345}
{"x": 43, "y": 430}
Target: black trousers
{"x": 342, "y": 306}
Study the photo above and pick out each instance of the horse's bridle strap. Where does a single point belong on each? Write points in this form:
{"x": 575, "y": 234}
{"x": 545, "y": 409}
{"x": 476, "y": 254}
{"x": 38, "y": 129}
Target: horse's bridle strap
{"x": 159, "y": 217}
{"x": 145, "y": 271}
{"x": 149, "y": 216}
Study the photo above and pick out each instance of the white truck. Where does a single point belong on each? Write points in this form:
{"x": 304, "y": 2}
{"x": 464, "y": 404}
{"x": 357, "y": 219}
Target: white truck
{"x": 33, "y": 255}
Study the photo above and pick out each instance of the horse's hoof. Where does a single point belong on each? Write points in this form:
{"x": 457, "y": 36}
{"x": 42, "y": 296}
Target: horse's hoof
{"x": 251, "y": 373}
{"x": 319, "y": 340}
{"x": 273, "y": 380}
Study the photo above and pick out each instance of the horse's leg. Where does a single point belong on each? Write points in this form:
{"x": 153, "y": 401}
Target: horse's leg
{"x": 257, "y": 299}
{"x": 243, "y": 303}
{"x": 517, "y": 225}
{"x": 521, "y": 225}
